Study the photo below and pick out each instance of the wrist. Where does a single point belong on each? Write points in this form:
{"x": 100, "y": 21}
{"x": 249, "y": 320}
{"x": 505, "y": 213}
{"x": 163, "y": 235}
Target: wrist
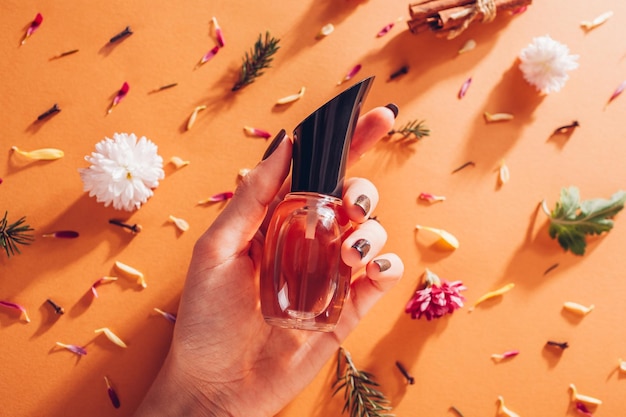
{"x": 172, "y": 394}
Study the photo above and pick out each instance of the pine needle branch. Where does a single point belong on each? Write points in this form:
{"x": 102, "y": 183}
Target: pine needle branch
{"x": 259, "y": 58}
{"x": 415, "y": 128}
{"x": 14, "y": 234}
{"x": 361, "y": 394}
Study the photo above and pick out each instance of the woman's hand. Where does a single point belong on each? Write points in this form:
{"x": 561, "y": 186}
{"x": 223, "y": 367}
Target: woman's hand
{"x": 224, "y": 359}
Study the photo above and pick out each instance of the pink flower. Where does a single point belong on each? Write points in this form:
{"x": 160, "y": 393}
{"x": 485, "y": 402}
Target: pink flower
{"x": 436, "y": 299}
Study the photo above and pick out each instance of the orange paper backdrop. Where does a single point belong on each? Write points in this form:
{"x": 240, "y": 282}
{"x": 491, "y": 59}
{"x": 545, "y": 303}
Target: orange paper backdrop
{"x": 502, "y": 233}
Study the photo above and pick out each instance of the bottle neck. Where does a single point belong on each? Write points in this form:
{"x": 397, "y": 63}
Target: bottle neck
{"x": 316, "y": 197}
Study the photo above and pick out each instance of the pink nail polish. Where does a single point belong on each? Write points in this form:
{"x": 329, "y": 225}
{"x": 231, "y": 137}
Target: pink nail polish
{"x": 304, "y": 281}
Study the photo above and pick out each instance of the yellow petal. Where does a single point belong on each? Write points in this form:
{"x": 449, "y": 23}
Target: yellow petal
{"x": 469, "y": 45}
{"x": 131, "y": 273}
{"x": 497, "y": 117}
{"x": 44, "y": 154}
{"x": 292, "y": 97}
{"x": 111, "y": 336}
{"x": 178, "y": 162}
{"x": 597, "y": 21}
{"x": 576, "y": 397}
{"x": 577, "y": 308}
{"x": 180, "y": 223}
{"x": 503, "y": 410}
{"x": 491, "y": 294}
{"x": 504, "y": 173}
{"x": 194, "y": 116}
{"x": 446, "y": 239}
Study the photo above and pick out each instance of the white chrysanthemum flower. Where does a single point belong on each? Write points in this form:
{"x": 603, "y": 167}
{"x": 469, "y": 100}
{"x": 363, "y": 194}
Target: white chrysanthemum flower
{"x": 123, "y": 171}
{"x": 545, "y": 63}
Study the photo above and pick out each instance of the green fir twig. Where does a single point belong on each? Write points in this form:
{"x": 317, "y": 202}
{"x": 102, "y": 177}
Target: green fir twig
{"x": 259, "y": 58}
{"x": 412, "y": 129}
{"x": 14, "y": 234}
{"x": 361, "y": 394}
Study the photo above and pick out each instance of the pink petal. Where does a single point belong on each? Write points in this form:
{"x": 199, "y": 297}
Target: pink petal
{"x": 64, "y": 234}
{"x": 209, "y": 55}
{"x": 464, "y": 87}
{"x": 619, "y": 90}
{"x": 221, "y": 196}
{"x": 218, "y": 33}
{"x": 582, "y": 408}
{"x": 385, "y": 30}
{"x": 257, "y": 132}
{"x": 519, "y": 10}
{"x": 34, "y": 24}
{"x": 16, "y": 307}
{"x": 115, "y": 400}
{"x": 350, "y": 74}
{"x": 79, "y": 350}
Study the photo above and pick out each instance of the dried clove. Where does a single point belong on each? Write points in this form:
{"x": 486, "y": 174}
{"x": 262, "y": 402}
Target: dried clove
{"x": 123, "y": 34}
{"x": 52, "y": 110}
{"x": 57, "y": 308}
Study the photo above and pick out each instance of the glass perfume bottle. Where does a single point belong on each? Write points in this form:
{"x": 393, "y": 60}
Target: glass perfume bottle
{"x": 304, "y": 281}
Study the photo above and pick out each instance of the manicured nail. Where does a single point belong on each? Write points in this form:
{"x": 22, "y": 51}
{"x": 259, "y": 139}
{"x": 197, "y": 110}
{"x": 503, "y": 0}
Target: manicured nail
{"x": 394, "y": 109}
{"x": 363, "y": 202}
{"x": 362, "y": 246}
{"x": 383, "y": 264}
{"x": 274, "y": 144}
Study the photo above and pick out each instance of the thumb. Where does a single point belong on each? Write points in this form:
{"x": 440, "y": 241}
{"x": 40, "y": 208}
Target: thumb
{"x": 237, "y": 224}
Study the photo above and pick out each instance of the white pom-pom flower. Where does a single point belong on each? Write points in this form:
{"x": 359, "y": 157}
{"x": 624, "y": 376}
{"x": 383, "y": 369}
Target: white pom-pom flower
{"x": 545, "y": 63}
{"x": 123, "y": 172}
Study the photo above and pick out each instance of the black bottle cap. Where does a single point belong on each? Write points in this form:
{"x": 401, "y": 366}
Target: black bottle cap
{"x": 321, "y": 143}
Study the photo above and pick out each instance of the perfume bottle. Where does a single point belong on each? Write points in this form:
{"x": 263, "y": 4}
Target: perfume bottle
{"x": 304, "y": 281}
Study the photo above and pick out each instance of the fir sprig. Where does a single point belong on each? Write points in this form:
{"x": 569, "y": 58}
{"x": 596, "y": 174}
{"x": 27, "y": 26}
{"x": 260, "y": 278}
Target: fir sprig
{"x": 415, "y": 128}
{"x": 14, "y": 234}
{"x": 259, "y": 58}
{"x": 361, "y": 395}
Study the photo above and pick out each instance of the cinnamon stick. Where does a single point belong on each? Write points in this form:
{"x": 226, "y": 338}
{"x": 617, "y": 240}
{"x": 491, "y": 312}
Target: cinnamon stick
{"x": 449, "y": 18}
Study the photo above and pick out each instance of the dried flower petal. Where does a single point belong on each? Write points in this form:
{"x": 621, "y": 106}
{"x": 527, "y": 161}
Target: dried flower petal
{"x": 178, "y": 162}
{"x": 99, "y": 282}
{"x": 16, "y": 307}
{"x": 131, "y": 273}
{"x": 504, "y": 174}
{"x": 498, "y": 117}
{"x": 259, "y": 133}
{"x": 622, "y": 365}
{"x": 582, "y": 409}
{"x": 63, "y": 234}
{"x": 325, "y": 30}
{"x": 464, "y": 88}
{"x": 385, "y": 30}
{"x": 111, "y": 336}
{"x": 194, "y": 116}
{"x": 226, "y": 195}
{"x": 292, "y": 98}
{"x": 79, "y": 350}
{"x": 619, "y": 90}
{"x": 34, "y": 25}
{"x": 350, "y": 74}
{"x": 446, "y": 239}
{"x": 505, "y": 355}
{"x": 182, "y": 225}
{"x": 207, "y": 57}
{"x": 577, "y": 308}
{"x": 588, "y": 25}
{"x": 121, "y": 93}
{"x": 431, "y": 198}
{"x": 468, "y": 46}
{"x": 115, "y": 400}
{"x": 169, "y": 316}
{"x": 585, "y": 399}
{"x": 44, "y": 154}
{"x": 504, "y": 410}
{"x": 492, "y": 294}
{"x": 219, "y": 35}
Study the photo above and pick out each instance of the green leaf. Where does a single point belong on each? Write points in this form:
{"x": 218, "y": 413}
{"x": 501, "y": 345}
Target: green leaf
{"x": 572, "y": 219}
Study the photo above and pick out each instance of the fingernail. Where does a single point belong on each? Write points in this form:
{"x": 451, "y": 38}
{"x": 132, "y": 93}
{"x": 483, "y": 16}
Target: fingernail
{"x": 383, "y": 264}
{"x": 363, "y": 202}
{"x": 362, "y": 246}
{"x": 394, "y": 109}
{"x": 274, "y": 144}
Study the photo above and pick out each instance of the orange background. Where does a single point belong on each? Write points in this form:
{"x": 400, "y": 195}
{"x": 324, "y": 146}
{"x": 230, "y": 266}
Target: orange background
{"x": 502, "y": 233}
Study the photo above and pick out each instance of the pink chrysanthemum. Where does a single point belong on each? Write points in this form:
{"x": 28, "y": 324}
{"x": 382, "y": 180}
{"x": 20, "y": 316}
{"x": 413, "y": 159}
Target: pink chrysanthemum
{"x": 436, "y": 299}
